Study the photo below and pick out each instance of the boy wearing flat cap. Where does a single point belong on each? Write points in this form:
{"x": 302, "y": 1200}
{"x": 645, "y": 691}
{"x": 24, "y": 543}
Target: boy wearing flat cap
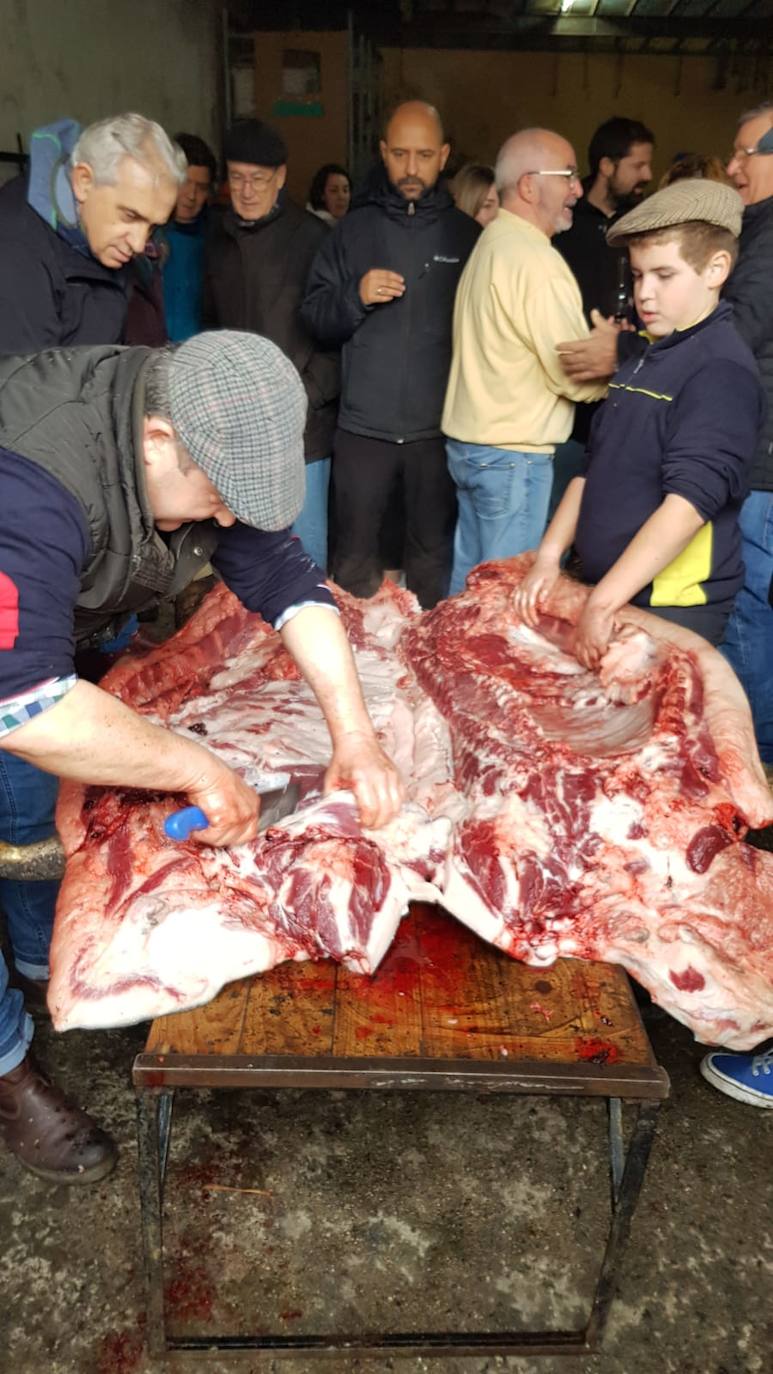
{"x": 654, "y": 519}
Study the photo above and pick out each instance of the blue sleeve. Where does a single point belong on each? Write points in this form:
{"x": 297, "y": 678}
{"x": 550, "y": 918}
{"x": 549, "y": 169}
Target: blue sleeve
{"x": 44, "y": 545}
{"x": 711, "y": 437}
{"x": 268, "y": 572}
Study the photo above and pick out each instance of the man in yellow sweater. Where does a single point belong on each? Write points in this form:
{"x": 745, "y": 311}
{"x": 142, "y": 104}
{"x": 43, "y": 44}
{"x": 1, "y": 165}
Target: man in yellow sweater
{"x": 509, "y": 401}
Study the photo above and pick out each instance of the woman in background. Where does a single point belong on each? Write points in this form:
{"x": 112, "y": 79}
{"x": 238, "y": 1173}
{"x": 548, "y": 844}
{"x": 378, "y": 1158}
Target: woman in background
{"x": 330, "y": 193}
{"x": 704, "y": 165}
{"x": 474, "y": 192}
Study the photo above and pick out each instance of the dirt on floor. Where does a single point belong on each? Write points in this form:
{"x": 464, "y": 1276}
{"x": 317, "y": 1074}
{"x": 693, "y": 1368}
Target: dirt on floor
{"x": 305, "y": 1212}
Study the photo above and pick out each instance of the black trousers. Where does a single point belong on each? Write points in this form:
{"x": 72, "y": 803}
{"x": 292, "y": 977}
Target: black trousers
{"x": 708, "y": 621}
{"x": 369, "y": 475}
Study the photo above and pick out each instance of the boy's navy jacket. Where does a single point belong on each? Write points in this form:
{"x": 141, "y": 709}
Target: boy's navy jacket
{"x": 683, "y": 419}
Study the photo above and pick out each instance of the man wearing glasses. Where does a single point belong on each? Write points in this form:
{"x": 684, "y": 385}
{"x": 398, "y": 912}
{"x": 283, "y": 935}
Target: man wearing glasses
{"x": 749, "y": 636}
{"x": 508, "y": 402}
{"x": 256, "y": 264}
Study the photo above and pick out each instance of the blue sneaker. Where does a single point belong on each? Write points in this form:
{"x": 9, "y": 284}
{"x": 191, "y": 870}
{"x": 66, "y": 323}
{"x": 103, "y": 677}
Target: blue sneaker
{"x": 747, "y": 1077}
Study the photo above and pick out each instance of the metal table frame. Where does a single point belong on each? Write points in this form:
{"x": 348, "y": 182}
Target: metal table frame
{"x": 157, "y": 1077}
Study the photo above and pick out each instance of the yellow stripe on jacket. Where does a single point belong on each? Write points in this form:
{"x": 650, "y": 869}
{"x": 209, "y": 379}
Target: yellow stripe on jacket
{"x": 680, "y": 583}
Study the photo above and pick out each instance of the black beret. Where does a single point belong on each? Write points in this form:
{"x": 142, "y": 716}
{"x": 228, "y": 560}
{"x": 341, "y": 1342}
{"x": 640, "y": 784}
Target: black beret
{"x": 250, "y": 140}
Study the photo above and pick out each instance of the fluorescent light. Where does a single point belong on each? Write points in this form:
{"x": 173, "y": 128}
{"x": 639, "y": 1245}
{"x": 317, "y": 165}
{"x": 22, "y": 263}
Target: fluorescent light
{"x": 566, "y": 5}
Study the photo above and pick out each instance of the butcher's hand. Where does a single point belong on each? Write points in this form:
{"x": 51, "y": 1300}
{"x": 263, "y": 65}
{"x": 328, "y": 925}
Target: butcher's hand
{"x": 536, "y": 588}
{"x": 594, "y": 631}
{"x": 379, "y": 286}
{"x": 592, "y": 358}
{"x": 231, "y": 807}
{"x": 360, "y": 764}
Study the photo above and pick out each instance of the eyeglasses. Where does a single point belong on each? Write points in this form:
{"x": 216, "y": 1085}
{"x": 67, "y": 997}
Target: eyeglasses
{"x": 741, "y": 154}
{"x": 570, "y": 173}
{"x": 256, "y": 181}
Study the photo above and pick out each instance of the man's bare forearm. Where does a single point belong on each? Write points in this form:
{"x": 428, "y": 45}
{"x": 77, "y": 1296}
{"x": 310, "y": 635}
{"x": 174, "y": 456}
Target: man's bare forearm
{"x": 91, "y": 736}
{"x": 317, "y": 641}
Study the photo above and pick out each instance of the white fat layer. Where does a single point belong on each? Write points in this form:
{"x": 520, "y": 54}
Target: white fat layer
{"x": 543, "y": 650}
{"x": 612, "y": 818}
{"x": 463, "y": 901}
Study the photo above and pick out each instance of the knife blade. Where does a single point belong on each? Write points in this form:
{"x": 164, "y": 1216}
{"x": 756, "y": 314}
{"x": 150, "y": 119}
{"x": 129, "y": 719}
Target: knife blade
{"x": 276, "y": 802}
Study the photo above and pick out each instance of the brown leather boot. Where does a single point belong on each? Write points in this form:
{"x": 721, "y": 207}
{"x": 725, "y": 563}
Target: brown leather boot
{"x": 48, "y": 1134}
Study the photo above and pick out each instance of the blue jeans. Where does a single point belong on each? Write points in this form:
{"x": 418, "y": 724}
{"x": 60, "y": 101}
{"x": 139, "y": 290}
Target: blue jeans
{"x": 311, "y": 525}
{"x": 27, "y": 801}
{"x": 503, "y": 503}
{"x": 748, "y": 642}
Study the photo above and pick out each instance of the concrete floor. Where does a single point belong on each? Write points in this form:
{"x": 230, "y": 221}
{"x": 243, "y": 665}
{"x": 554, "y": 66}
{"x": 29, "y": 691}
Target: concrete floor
{"x": 419, "y": 1208}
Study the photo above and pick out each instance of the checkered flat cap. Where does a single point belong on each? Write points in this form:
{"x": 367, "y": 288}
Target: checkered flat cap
{"x": 239, "y": 408}
{"x": 693, "y": 198}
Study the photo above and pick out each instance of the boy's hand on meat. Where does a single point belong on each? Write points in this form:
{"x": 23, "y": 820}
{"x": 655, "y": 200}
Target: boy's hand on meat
{"x": 535, "y": 588}
{"x": 360, "y": 764}
{"x": 595, "y": 629}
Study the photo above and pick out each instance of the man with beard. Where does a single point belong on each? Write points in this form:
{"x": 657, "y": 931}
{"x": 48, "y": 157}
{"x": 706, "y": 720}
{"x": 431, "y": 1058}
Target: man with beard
{"x": 383, "y": 285}
{"x": 508, "y": 402}
{"x": 620, "y": 169}
{"x": 620, "y": 163}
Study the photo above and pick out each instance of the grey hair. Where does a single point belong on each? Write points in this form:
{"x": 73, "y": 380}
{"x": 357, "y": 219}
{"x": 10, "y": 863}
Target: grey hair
{"x": 765, "y": 107}
{"x": 517, "y": 156}
{"x": 103, "y": 146}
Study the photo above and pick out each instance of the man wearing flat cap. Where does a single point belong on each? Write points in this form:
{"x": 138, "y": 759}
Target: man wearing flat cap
{"x": 654, "y": 519}
{"x": 748, "y": 643}
{"x": 256, "y": 263}
{"x": 123, "y": 471}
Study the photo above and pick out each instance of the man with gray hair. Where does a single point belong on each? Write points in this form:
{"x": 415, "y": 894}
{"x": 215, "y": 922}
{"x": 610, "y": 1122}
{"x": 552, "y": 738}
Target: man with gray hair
{"x": 124, "y": 470}
{"x": 72, "y": 224}
{"x": 508, "y": 402}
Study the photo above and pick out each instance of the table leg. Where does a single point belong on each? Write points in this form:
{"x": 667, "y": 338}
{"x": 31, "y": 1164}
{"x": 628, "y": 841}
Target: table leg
{"x": 154, "y": 1111}
{"x": 625, "y": 1198}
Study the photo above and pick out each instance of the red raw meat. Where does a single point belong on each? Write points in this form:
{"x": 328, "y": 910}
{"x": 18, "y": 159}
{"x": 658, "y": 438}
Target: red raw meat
{"x": 554, "y": 811}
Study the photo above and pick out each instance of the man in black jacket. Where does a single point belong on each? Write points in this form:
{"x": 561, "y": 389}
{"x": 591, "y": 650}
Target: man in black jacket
{"x": 619, "y": 171}
{"x": 123, "y": 471}
{"x": 748, "y": 640}
{"x": 69, "y": 229}
{"x": 383, "y": 286}
{"x": 71, "y": 225}
{"x": 257, "y": 261}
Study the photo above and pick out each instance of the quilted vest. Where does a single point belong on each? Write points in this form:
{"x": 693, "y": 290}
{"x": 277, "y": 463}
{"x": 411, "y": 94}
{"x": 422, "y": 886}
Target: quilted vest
{"x": 77, "y": 413}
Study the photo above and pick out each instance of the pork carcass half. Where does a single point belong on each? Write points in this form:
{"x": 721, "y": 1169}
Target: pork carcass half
{"x": 555, "y": 811}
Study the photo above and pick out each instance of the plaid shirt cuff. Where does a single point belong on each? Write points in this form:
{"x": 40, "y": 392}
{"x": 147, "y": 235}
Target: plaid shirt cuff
{"x": 292, "y": 611}
{"x": 16, "y": 711}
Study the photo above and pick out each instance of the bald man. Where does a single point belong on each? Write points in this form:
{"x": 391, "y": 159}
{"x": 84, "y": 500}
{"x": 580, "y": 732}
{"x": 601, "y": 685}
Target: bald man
{"x": 382, "y": 286}
{"x": 509, "y": 402}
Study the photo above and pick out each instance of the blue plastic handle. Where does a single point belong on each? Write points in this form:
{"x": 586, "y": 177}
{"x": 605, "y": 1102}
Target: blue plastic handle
{"x": 179, "y": 825}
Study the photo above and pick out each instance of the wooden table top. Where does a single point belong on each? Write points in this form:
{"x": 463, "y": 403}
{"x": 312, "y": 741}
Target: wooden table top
{"x": 443, "y": 1007}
